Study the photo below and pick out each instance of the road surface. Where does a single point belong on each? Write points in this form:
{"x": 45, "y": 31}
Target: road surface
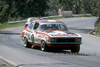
{"x": 12, "y": 48}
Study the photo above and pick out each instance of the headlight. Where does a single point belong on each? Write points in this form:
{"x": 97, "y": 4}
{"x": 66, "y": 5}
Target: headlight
{"x": 52, "y": 39}
{"x": 78, "y": 39}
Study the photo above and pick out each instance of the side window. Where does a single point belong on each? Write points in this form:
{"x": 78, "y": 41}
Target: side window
{"x": 36, "y": 27}
{"x": 30, "y": 26}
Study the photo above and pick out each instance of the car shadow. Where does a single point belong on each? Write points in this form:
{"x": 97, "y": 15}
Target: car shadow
{"x": 68, "y": 52}
{"x": 61, "y": 53}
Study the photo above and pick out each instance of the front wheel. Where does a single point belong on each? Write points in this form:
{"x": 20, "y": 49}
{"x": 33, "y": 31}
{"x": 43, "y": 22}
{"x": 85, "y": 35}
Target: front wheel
{"x": 43, "y": 46}
{"x": 27, "y": 45}
{"x": 75, "y": 49}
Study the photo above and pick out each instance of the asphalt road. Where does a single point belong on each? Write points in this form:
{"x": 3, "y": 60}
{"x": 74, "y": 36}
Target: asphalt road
{"x": 12, "y": 48}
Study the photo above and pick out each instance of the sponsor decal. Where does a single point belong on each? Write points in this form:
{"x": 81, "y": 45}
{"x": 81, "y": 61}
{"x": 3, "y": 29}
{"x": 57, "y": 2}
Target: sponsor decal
{"x": 61, "y": 33}
{"x": 40, "y": 35}
{"x": 36, "y": 39}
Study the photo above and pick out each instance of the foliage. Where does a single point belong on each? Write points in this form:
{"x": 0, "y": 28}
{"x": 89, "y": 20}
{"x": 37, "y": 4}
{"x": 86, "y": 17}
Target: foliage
{"x": 3, "y": 11}
{"x": 66, "y": 4}
{"x": 14, "y": 9}
{"x": 21, "y": 9}
{"x": 77, "y": 6}
{"x": 53, "y": 6}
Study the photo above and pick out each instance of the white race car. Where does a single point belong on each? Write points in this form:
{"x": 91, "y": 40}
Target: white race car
{"x": 50, "y": 34}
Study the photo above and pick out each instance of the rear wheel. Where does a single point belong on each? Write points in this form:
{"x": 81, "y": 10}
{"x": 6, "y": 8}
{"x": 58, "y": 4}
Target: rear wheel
{"x": 43, "y": 46}
{"x": 75, "y": 49}
{"x": 27, "y": 45}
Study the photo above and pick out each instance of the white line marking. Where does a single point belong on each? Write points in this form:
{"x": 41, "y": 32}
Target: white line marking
{"x": 8, "y": 62}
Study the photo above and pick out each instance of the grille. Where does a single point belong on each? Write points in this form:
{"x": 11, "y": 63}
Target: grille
{"x": 65, "y": 40}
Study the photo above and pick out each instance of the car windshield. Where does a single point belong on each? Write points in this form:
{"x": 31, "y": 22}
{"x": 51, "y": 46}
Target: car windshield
{"x": 53, "y": 26}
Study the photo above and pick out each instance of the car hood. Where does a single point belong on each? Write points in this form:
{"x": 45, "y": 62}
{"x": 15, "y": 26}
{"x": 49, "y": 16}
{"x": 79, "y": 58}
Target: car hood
{"x": 61, "y": 34}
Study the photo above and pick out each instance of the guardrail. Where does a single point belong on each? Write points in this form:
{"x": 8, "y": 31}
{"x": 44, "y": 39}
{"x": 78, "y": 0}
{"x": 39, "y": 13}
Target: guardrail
{"x": 79, "y": 15}
{"x": 12, "y": 22}
{"x": 49, "y": 17}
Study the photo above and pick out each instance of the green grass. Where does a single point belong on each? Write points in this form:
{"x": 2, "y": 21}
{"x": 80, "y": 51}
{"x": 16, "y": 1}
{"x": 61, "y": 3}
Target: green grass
{"x": 5, "y": 25}
{"x": 56, "y": 18}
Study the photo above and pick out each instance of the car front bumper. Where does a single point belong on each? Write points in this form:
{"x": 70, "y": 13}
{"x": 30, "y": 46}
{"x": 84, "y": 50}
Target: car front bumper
{"x": 63, "y": 44}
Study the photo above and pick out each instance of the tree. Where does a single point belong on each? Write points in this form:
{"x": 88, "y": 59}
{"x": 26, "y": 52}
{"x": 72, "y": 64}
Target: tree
{"x": 27, "y": 8}
{"x": 98, "y": 8}
{"x": 66, "y": 4}
{"x": 10, "y": 9}
{"x": 89, "y": 6}
{"x": 3, "y": 11}
{"x": 53, "y": 6}
{"x": 14, "y": 9}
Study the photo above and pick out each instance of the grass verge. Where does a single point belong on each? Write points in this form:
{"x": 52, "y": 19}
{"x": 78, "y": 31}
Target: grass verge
{"x": 97, "y": 28}
{"x": 56, "y": 18}
{"x": 6, "y": 25}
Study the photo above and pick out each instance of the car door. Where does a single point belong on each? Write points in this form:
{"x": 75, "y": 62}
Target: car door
{"x": 29, "y": 31}
{"x": 36, "y": 30}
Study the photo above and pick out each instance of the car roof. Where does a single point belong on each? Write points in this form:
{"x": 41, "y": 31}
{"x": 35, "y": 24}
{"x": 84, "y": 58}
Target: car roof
{"x": 46, "y": 21}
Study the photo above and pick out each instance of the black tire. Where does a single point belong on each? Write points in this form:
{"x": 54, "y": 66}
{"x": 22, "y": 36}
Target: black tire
{"x": 27, "y": 45}
{"x": 43, "y": 46}
{"x": 75, "y": 49}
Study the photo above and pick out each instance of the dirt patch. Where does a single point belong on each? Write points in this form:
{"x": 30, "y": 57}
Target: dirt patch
{"x": 96, "y": 30}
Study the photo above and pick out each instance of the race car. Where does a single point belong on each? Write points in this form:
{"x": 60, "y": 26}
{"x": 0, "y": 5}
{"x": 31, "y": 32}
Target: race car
{"x": 50, "y": 34}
